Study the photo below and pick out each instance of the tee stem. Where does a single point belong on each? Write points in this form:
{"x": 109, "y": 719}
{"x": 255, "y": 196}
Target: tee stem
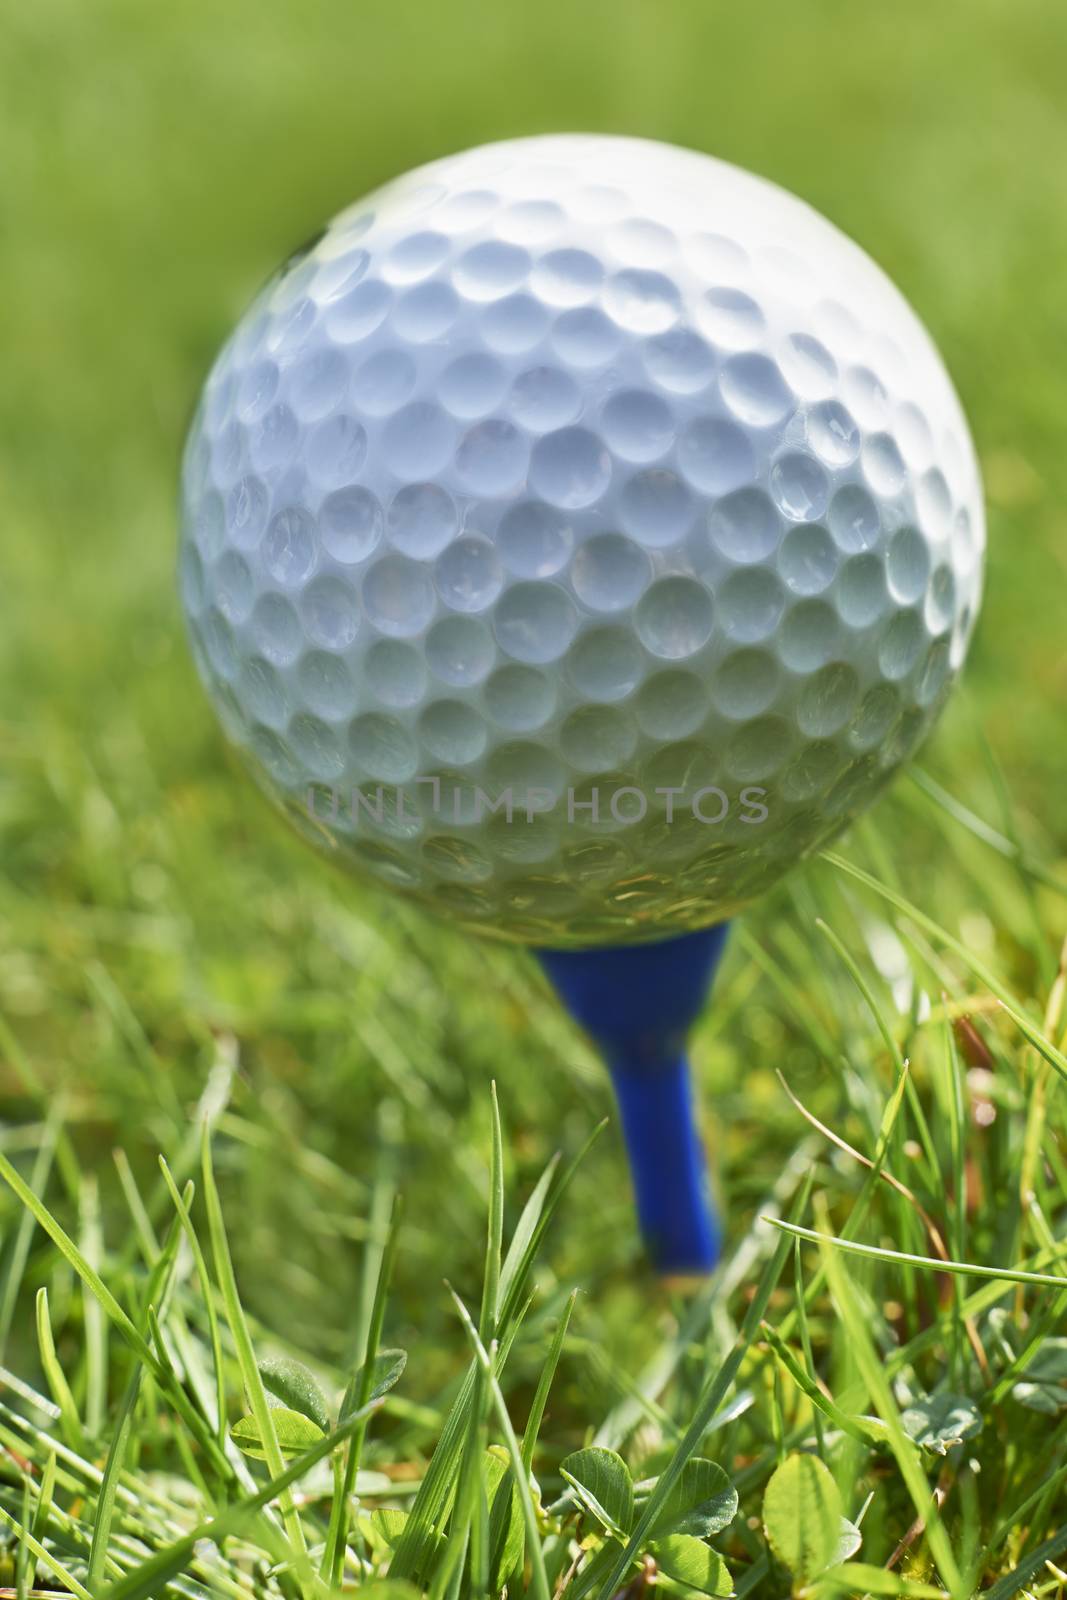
{"x": 638, "y": 1003}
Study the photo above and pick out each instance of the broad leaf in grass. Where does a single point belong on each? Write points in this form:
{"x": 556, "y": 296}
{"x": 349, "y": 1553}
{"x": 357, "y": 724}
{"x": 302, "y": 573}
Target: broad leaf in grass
{"x": 848, "y": 1542}
{"x": 1002, "y": 1332}
{"x": 692, "y": 1562}
{"x": 386, "y": 1527}
{"x": 386, "y": 1370}
{"x": 802, "y": 1516}
{"x": 938, "y": 1421}
{"x": 702, "y": 1502}
{"x": 1043, "y": 1386}
{"x": 294, "y": 1385}
{"x": 602, "y": 1482}
{"x": 294, "y": 1431}
{"x": 388, "y": 1522}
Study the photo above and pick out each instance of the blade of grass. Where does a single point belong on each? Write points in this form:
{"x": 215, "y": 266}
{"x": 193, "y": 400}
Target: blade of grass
{"x": 42, "y": 1514}
{"x": 1037, "y": 1097}
{"x": 246, "y": 1356}
{"x": 185, "y": 1408}
{"x": 494, "y": 1237}
{"x": 142, "y": 1222}
{"x": 382, "y": 1201}
{"x": 22, "y": 1554}
{"x": 856, "y": 1427}
{"x": 544, "y": 1383}
{"x": 449, "y": 1571}
{"x": 969, "y": 1269}
{"x": 158, "y": 1286}
{"x": 337, "y": 1537}
{"x": 15, "y": 1268}
{"x": 530, "y": 1232}
{"x": 805, "y": 1338}
{"x": 536, "y": 1415}
{"x": 957, "y": 1137}
{"x": 896, "y": 1055}
{"x": 207, "y": 1299}
{"x": 539, "y": 1585}
{"x": 527, "y": 1226}
{"x": 95, "y": 1323}
{"x": 55, "y": 1377}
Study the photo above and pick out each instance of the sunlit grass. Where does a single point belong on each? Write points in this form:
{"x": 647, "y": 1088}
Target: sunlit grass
{"x": 469, "y": 1452}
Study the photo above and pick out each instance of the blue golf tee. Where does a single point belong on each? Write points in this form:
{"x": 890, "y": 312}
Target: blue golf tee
{"x": 638, "y": 1002}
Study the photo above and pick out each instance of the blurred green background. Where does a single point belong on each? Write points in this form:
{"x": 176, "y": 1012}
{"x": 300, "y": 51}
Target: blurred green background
{"x": 157, "y": 162}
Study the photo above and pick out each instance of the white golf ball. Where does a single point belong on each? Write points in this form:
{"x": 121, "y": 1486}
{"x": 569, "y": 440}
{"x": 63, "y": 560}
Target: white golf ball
{"x": 577, "y": 535}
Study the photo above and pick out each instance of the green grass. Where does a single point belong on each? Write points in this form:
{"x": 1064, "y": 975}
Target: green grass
{"x": 173, "y": 968}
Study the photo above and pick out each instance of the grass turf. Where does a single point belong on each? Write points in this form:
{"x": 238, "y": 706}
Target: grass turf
{"x": 165, "y": 949}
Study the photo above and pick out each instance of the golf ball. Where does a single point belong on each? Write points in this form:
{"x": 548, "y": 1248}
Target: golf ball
{"x": 578, "y": 534}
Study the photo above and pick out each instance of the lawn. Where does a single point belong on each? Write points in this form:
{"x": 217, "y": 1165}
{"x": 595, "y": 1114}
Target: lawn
{"x": 172, "y": 963}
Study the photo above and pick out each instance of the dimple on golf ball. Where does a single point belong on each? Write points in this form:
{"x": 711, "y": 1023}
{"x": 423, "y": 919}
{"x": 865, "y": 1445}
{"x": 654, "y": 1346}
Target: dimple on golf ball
{"x": 577, "y": 535}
